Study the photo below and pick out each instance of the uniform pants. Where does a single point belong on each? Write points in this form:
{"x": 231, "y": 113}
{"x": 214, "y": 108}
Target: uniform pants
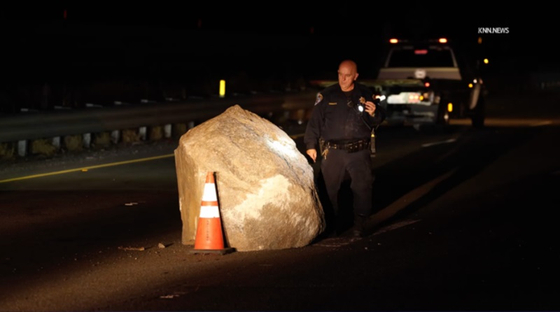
{"x": 340, "y": 165}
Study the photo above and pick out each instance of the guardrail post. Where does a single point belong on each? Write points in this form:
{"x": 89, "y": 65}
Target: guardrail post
{"x": 22, "y": 148}
{"x": 142, "y": 133}
{"x": 167, "y": 131}
{"x": 86, "y": 140}
{"x": 115, "y": 136}
{"x": 56, "y": 142}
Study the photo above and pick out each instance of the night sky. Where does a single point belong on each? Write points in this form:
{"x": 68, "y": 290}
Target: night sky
{"x": 80, "y": 47}
{"x": 335, "y": 30}
{"x": 288, "y": 17}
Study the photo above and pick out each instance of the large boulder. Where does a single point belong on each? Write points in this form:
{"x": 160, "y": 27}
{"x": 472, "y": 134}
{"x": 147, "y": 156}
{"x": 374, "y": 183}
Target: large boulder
{"x": 265, "y": 185}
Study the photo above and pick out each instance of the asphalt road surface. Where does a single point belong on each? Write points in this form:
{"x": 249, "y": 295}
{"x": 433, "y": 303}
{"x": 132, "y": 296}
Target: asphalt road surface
{"x": 465, "y": 220}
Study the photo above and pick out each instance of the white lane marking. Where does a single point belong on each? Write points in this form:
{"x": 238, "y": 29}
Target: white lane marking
{"x": 440, "y": 142}
{"x": 395, "y": 226}
{"x": 542, "y": 123}
{"x": 335, "y": 242}
{"x": 404, "y": 201}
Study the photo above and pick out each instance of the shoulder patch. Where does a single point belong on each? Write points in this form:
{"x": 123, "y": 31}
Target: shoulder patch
{"x": 319, "y": 98}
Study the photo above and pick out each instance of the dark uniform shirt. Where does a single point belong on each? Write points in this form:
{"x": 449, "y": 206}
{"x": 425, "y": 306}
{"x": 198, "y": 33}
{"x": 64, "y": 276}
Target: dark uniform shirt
{"x": 336, "y": 117}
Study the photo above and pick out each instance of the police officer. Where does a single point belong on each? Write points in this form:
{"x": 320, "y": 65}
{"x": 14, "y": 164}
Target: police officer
{"x": 341, "y": 128}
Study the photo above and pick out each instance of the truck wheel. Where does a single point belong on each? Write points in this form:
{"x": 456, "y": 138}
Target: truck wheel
{"x": 478, "y": 115}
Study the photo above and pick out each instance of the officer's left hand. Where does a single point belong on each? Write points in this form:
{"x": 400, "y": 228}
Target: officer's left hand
{"x": 370, "y": 108}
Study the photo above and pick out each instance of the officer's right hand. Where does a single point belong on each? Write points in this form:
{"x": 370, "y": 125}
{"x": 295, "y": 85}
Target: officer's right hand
{"x": 312, "y": 153}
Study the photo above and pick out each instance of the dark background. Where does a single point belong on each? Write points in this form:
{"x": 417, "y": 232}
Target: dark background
{"x": 344, "y": 28}
{"x": 69, "y": 49}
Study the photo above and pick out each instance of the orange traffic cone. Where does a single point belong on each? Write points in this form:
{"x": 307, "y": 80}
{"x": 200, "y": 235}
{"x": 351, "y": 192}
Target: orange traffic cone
{"x": 209, "y": 235}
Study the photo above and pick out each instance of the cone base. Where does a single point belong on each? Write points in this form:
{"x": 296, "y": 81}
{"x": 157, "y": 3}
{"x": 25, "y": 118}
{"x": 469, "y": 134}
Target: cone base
{"x": 213, "y": 251}
{"x": 209, "y": 234}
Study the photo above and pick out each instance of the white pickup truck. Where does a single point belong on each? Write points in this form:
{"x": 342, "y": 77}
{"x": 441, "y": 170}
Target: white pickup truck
{"x": 425, "y": 83}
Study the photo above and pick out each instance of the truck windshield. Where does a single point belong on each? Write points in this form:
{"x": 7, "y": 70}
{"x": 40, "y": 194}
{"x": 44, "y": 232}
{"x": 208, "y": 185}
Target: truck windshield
{"x": 421, "y": 58}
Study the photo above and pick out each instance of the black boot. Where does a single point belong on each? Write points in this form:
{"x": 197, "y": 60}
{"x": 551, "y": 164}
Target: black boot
{"x": 359, "y": 226}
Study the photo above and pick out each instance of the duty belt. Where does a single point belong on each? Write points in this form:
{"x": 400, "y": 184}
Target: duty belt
{"x": 350, "y": 147}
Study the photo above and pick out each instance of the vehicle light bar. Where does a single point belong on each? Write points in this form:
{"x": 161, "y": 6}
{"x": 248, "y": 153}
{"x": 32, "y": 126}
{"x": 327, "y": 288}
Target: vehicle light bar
{"x": 396, "y": 40}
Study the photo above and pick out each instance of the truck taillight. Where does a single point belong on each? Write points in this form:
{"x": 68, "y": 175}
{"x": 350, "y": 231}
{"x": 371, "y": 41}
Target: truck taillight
{"x": 475, "y": 81}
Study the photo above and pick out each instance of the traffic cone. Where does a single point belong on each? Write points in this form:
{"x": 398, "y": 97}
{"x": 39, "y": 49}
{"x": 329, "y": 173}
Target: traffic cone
{"x": 209, "y": 235}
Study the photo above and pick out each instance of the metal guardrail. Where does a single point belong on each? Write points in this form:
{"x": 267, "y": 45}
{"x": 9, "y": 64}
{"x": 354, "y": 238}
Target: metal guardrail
{"x": 49, "y": 124}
